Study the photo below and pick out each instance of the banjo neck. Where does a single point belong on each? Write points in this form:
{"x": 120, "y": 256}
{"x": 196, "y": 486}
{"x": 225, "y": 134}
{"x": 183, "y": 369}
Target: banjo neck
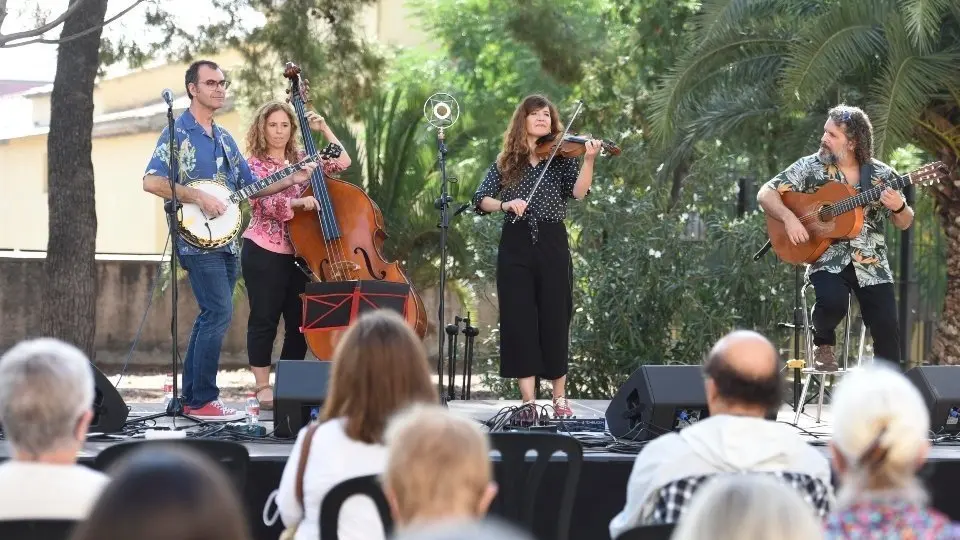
{"x": 252, "y": 189}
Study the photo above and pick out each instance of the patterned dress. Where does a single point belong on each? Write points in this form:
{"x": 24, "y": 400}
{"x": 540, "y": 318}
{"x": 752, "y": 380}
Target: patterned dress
{"x": 890, "y": 520}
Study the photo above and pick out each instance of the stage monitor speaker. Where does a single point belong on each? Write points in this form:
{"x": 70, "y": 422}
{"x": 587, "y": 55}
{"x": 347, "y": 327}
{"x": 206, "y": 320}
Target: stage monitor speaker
{"x": 109, "y": 410}
{"x": 299, "y": 394}
{"x": 940, "y": 388}
{"x": 657, "y": 400}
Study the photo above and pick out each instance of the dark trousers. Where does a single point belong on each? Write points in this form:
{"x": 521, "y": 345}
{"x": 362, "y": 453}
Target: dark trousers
{"x": 274, "y": 285}
{"x": 212, "y": 278}
{"x": 878, "y": 307}
{"x": 534, "y": 289}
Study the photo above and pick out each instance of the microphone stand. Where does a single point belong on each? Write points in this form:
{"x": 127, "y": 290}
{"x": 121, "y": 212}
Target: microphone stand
{"x": 469, "y": 332}
{"x": 797, "y": 322}
{"x": 442, "y": 203}
{"x": 172, "y": 207}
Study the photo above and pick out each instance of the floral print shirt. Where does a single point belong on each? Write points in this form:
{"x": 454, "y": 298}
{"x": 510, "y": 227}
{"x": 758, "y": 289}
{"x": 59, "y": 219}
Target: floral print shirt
{"x": 201, "y": 156}
{"x": 890, "y": 519}
{"x": 269, "y": 214}
{"x": 868, "y": 251}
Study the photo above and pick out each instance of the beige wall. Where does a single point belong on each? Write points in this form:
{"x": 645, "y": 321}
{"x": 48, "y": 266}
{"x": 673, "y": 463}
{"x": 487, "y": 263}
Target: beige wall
{"x": 129, "y": 220}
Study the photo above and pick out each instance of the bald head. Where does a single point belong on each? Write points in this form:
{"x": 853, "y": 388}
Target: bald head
{"x": 744, "y": 369}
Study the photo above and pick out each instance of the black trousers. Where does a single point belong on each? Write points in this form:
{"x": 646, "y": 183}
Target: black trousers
{"x": 274, "y": 285}
{"x": 535, "y": 292}
{"x": 878, "y": 307}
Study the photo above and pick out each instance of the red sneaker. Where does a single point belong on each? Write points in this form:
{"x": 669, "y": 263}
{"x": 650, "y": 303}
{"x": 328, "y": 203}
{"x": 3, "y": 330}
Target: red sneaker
{"x": 526, "y": 416}
{"x": 215, "y": 411}
{"x": 561, "y": 409}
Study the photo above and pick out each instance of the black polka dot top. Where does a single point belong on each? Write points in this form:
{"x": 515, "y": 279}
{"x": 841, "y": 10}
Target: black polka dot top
{"x": 549, "y": 204}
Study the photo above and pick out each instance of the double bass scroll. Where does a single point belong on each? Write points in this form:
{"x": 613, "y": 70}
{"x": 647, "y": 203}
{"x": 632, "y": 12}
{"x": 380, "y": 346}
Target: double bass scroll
{"x": 342, "y": 239}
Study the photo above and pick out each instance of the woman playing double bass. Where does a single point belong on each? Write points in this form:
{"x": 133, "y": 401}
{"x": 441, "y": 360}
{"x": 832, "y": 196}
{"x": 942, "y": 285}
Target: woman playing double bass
{"x": 273, "y": 281}
{"x": 534, "y": 269}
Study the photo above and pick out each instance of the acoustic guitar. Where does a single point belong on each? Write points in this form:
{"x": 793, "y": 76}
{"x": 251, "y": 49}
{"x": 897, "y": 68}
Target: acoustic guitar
{"x": 205, "y": 232}
{"x": 835, "y": 211}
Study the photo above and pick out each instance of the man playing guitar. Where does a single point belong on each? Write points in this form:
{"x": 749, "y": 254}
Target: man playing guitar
{"x": 858, "y": 264}
{"x": 206, "y": 150}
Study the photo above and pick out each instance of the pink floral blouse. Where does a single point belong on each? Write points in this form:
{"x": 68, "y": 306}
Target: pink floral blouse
{"x": 268, "y": 215}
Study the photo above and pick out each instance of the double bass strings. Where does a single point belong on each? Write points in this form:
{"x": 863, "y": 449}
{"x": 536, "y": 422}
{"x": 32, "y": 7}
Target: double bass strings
{"x": 331, "y": 239}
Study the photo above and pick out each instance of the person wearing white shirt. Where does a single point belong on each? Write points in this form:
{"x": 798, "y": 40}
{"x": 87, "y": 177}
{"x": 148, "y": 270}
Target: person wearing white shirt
{"x": 379, "y": 367}
{"x": 742, "y": 383}
{"x": 46, "y": 399}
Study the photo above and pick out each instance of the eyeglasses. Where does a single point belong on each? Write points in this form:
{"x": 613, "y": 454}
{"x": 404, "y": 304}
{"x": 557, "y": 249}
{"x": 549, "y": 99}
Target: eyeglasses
{"x": 211, "y": 84}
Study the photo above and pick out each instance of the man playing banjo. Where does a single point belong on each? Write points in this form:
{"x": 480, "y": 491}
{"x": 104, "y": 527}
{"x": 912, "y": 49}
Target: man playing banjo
{"x": 206, "y": 151}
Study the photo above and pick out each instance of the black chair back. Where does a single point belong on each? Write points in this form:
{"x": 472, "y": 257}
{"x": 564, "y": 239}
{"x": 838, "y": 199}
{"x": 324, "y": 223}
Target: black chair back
{"x": 232, "y": 456}
{"x": 519, "y": 486}
{"x": 648, "y": 532}
{"x": 37, "y": 529}
{"x": 334, "y": 499}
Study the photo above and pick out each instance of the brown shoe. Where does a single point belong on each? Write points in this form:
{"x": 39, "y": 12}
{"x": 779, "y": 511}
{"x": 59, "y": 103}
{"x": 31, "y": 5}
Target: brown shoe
{"x": 824, "y": 359}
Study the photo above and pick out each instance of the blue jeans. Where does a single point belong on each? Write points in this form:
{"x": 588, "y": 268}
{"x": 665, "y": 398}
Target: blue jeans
{"x": 212, "y": 278}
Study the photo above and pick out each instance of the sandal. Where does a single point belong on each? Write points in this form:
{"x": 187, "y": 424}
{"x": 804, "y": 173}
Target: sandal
{"x": 264, "y": 405}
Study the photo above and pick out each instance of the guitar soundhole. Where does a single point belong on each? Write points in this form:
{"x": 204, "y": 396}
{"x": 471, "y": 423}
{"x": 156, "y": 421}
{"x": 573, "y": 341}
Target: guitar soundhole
{"x": 826, "y": 213}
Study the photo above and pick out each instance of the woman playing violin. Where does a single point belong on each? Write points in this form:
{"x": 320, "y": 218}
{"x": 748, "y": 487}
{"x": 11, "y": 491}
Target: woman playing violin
{"x": 273, "y": 281}
{"x": 534, "y": 269}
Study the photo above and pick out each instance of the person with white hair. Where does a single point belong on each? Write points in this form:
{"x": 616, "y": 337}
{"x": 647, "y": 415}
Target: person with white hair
{"x": 880, "y": 441}
{"x": 748, "y": 505}
{"x": 46, "y": 405}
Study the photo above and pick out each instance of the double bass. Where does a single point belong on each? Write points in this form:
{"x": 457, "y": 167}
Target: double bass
{"x": 343, "y": 238}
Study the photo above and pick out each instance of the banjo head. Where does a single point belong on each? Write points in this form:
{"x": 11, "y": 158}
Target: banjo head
{"x": 209, "y": 233}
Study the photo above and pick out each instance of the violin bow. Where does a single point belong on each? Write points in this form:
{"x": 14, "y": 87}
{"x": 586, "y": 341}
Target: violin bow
{"x": 556, "y": 147}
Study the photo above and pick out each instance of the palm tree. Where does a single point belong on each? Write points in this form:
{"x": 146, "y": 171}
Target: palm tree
{"x": 395, "y": 156}
{"x": 753, "y": 66}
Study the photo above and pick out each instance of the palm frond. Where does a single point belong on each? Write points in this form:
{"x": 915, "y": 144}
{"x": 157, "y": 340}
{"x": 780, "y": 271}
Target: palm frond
{"x": 910, "y": 78}
{"x": 840, "y": 41}
{"x": 718, "y": 16}
{"x": 671, "y": 101}
{"x": 923, "y": 19}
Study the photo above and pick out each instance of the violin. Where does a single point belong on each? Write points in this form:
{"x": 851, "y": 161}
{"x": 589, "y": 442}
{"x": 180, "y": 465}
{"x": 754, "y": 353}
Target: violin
{"x": 572, "y": 145}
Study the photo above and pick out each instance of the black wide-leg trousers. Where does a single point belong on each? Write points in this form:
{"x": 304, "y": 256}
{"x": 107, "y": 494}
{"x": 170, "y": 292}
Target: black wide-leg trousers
{"x": 878, "y": 307}
{"x": 535, "y": 293}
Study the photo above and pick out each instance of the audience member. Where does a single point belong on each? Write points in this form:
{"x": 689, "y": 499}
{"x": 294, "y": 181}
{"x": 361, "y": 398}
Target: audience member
{"x": 438, "y": 468}
{"x": 742, "y": 384}
{"x": 487, "y": 529}
{"x": 46, "y": 400}
{"x": 738, "y": 506}
{"x": 379, "y": 367}
{"x": 879, "y": 442}
{"x": 166, "y": 493}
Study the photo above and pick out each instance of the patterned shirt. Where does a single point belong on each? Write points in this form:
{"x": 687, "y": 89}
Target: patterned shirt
{"x": 549, "y": 203}
{"x": 269, "y": 214}
{"x": 890, "y": 519}
{"x": 868, "y": 251}
{"x": 201, "y": 157}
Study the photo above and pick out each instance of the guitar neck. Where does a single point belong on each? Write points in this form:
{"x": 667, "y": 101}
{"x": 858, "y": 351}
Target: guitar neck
{"x": 866, "y": 197}
{"x": 252, "y": 189}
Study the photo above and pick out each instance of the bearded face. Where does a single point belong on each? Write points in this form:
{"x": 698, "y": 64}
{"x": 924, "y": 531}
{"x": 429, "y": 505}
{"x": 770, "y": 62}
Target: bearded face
{"x": 835, "y": 147}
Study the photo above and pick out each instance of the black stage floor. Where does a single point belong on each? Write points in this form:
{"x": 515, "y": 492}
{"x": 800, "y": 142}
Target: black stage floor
{"x": 603, "y": 478}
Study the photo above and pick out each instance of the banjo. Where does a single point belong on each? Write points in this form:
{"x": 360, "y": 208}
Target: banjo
{"x": 205, "y": 232}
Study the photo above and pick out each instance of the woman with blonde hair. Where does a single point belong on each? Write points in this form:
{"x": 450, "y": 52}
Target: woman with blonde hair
{"x": 534, "y": 268}
{"x": 752, "y": 505}
{"x": 438, "y": 468}
{"x": 379, "y": 368}
{"x": 880, "y": 440}
{"x": 273, "y": 282}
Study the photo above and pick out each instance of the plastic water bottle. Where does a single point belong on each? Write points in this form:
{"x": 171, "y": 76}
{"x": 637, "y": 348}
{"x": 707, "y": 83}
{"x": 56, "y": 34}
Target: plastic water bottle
{"x": 167, "y": 390}
{"x": 252, "y": 409}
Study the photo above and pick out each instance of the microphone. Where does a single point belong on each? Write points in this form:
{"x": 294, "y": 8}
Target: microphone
{"x": 167, "y": 96}
{"x": 441, "y": 110}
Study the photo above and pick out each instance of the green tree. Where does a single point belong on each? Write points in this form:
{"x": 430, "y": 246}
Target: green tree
{"x": 748, "y": 62}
